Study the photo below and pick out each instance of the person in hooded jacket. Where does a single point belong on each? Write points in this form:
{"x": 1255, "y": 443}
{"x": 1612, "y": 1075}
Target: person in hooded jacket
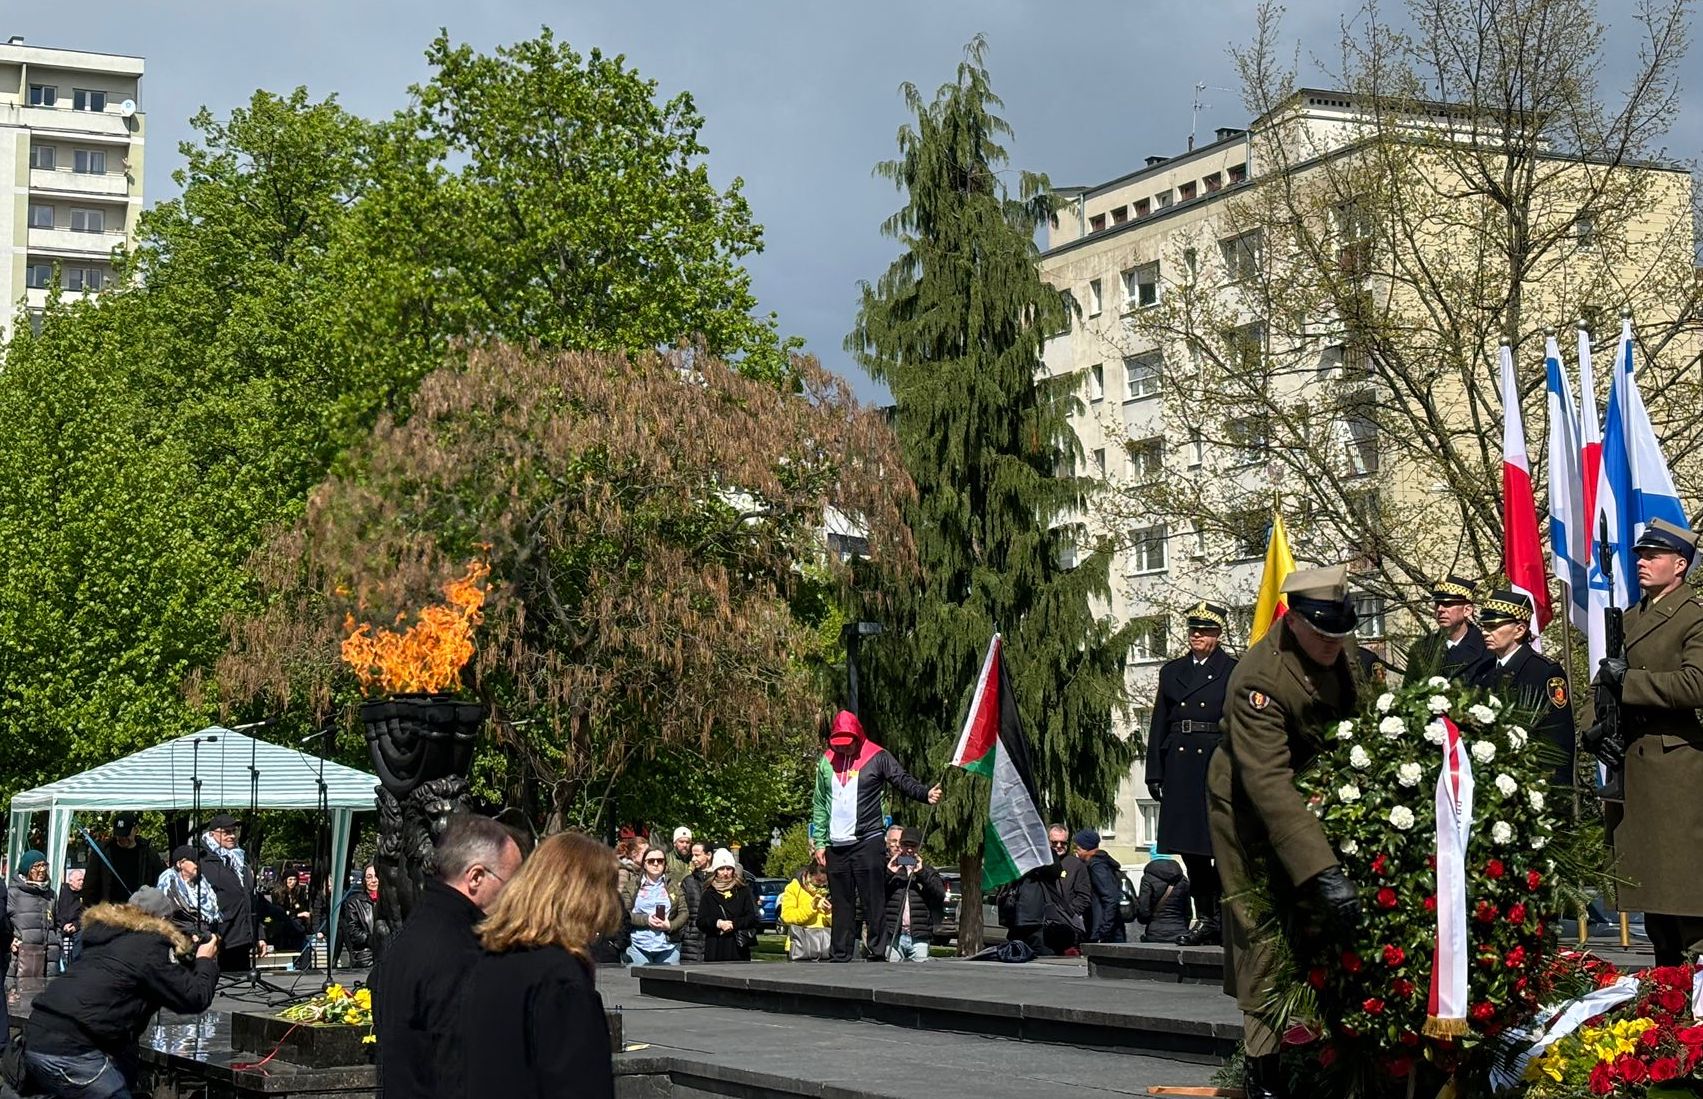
{"x": 1162, "y": 902}
{"x": 1106, "y": 922}
{"x": 35, "y": 922}
{"x": 80, "y": 1040}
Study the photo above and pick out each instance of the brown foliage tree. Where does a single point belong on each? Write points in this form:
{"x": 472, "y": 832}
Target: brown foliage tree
{"x": 651, "y": 525}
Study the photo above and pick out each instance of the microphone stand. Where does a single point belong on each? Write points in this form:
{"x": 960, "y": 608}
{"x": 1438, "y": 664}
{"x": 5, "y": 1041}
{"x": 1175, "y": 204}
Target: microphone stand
{"x": 255, "y": 981}
{"x": 195, "y": 812}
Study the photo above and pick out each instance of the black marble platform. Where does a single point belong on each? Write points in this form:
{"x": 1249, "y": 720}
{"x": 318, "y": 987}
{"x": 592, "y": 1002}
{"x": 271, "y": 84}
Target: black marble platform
{"x": 1054, "y": 1004}
{"x": 1156, "y": 962}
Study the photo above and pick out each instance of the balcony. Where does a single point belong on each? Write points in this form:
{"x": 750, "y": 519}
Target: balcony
{"x": 107, "y": 127}
{"x": 63, "y": 181}
{"x": 71, "y": 245}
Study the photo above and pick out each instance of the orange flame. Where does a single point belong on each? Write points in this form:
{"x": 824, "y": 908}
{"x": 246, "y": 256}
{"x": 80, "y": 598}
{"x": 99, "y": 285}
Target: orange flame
{"x": 428, "y": 656}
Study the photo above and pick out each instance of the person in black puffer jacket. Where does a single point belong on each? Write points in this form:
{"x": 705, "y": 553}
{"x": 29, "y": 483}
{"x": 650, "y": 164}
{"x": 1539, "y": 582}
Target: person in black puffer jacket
{"x": 916, "y": 896}
{"x": 1163, "y": 902}
{"x": 35, "y": 925}
{"x": 82, "y": 1031}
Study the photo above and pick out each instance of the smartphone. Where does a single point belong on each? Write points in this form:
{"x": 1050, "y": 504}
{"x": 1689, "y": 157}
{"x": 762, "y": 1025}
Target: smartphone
{"x": 661, "y": 912}
{"x": 907, "y": 860}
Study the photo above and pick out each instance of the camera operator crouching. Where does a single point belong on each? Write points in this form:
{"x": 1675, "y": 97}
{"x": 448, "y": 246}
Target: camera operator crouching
{"x": 80, "y": 1040}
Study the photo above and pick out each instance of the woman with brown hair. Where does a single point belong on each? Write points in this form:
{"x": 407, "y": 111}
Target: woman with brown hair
{"x": 530, "y": 1006}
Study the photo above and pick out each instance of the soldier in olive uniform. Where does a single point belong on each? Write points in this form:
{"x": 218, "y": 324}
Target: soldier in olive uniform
{"x": 1519, "y": 673}
{"x": 1184, "y": 734}
{"x": 1284, "y": 689}
{"x": 1455, "y": 649}
{"x": 1660, "y": 686}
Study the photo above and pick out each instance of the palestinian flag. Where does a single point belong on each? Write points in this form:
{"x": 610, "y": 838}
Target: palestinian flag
{"x": 993, "y": 745}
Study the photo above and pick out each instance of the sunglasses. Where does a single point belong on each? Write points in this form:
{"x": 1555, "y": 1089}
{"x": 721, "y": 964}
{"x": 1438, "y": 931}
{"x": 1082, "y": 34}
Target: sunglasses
{"x": 655, "y": 862}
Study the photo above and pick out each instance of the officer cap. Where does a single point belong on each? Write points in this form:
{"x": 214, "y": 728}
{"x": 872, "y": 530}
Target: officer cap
{"x": 1664, "y": 537}
{"x": 1505, "y": 605}
{"x": 1209, "y": 616}
{"x": 1452, "y": 590}
{"x": 1321, "y": 597}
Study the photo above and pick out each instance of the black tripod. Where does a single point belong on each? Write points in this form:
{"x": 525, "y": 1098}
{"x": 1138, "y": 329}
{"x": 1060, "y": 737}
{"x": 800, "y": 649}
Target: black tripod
{"x": 253, "y": 980}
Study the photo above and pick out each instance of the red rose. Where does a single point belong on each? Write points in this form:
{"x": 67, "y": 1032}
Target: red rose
{"x": 1387, "y": 897}
{"x": 1672, "y": 1000}
{"x": 1400, "y": 1066}
{"x": 1606, "y": 976}
{"x": 1373, "y": 1005}
{"x": 1402, "y": 987}
{"x": 1494, "y": 868}
{"x": 1481, "y": 1011}
{"x": 1515, "y": 958}
{"x": 1431, "y": 862}
{"x": 1381, "y": 865}
{"x": 1409, "y": 1038}
{"x": 1602, "y": 1080}
{"x": 1650, "y": 1039}
{"x": 1488, "y": 959}
{"x": 1348, "y": 1032}
{"x": 1351, "y": 961}
{"x": 1520, "y": 985}
{"x": 1630, "y": 1069}
{"x": 1316, "y": 976}
{"x": 1327, "y": 1056}
{"x": 1690, "y": 1036}
{"x": 1394, "y": 955}
{"x": 1673, "y": 976}
{"x": 1533, "y": 880}
{"x": 1431, "y": 904}
{"x": 1485, "y": 912}
{"x": 1664, "y": 1069}
{"x": 1517, "y": 913}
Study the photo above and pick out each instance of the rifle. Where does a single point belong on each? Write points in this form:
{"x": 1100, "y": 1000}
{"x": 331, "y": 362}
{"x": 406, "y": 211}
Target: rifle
{"x": 1606, "y": 739}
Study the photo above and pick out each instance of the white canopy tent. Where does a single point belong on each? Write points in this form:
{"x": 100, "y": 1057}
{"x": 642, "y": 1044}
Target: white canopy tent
{"x": 163, "y": 777}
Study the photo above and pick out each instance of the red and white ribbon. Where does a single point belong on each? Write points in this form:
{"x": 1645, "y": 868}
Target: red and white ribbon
{"x": 1446, "y": 1009}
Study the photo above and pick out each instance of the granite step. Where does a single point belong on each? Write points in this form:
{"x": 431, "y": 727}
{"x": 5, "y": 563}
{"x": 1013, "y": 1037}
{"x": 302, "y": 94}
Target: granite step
{"x": 1156, "y": 962}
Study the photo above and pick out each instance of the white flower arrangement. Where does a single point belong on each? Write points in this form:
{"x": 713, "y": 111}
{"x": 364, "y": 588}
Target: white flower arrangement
{"x": 1437, "y": 683}
{"x": 1358, "y": 758}
{"x": 1392, "y": 727}
{"x": 1349, "y": 793}
{"x": 1517, "y": 738}
{"x": 1536, "y": 799}
{"x": 1495, "y": 703}
{"x": 1502, "y": 833}
{"x": 1437, "y": 704}
{"x": 1409, "y": 774}
{"x": 1401, "y": 818}
{"x": 1539, "y": 842}
{"x": 1506, "y": 785}
{"x": 1483, "y": 751}
{"x": 1436, "y": 733}
{"x": 1345, "y": 730}
{"x": 1484, "y": 715}
{"x": 1349, "y": 847}
{"x": 1385, "y": 701}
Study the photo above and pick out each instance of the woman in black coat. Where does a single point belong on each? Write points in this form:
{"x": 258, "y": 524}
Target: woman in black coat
{"x": 529, "y": 1005}
{"x": 1163, "y": 901}
{"x": 726, "y": 910}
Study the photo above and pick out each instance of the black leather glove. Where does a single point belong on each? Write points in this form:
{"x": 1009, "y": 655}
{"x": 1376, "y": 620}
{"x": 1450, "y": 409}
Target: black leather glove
{"x": 1612, "y": 674}
{"x": 1156, "y": 791}
{"x": 1340, "y": 897}
{"x": 1597, "y": 742}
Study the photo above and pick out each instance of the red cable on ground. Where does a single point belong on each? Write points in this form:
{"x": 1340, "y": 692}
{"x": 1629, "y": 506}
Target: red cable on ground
{"x": 245, "y": 1066}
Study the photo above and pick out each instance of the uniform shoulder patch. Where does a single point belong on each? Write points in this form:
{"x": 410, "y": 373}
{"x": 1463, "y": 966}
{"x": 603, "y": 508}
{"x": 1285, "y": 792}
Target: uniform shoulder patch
{"x": 1557, "y": 688}
{"x": 1258, "y": 700}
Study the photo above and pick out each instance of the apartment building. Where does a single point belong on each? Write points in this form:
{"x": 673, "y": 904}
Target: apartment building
{"x": 1187, "y": 227}
{"x": 71, "y": 145}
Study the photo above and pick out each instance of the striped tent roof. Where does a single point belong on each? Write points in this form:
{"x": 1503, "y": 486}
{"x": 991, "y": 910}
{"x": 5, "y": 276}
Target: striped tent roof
{"x": 162, "y": 777}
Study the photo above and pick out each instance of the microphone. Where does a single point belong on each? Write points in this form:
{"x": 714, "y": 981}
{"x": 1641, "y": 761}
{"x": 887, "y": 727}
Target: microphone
{"x": 253, "y": 725}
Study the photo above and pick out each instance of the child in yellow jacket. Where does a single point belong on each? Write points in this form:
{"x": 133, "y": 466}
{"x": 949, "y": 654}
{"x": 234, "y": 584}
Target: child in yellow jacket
{"x": 807, "y": 914}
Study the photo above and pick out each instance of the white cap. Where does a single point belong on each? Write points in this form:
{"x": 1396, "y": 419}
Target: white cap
{"x": 682, "y": 833}
{"x": 722, "y": 858}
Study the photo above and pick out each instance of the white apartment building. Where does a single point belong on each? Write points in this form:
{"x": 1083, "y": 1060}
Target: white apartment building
{"x": 71, "y": 144}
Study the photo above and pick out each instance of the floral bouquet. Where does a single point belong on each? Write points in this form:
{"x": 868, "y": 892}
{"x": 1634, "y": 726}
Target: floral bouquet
{"x": 336, "y": 1006}
{"x": 1623, "y": 1035}
{"x": 1376, "y": 785}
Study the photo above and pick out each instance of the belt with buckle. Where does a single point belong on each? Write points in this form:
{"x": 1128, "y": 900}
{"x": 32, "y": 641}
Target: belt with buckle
{"x": 1194, "y": 726}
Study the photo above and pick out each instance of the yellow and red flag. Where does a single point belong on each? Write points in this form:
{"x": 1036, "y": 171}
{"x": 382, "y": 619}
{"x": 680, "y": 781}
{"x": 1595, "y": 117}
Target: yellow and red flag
{"x": 1272, "y": 604}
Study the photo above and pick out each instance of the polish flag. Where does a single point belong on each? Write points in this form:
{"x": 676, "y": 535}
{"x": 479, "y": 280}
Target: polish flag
{"x": 1590, "y": 440}
{"x": 1522, "y": 552}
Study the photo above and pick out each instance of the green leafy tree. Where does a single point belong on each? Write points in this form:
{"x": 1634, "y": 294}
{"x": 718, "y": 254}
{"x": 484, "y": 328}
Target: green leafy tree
{"x": 955, "y": 328}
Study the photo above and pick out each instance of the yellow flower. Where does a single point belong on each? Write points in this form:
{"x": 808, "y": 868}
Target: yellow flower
{"x": 364, "y": 997}
{"x": 370, "y": 1039}
{"x": 335, "y": 993}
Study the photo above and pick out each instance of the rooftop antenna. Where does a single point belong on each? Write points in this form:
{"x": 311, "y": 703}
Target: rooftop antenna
{"x": 1194, "y": 118}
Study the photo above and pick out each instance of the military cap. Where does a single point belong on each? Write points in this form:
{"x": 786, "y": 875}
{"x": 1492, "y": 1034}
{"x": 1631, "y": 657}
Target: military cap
{"x": 1452, "y": 589}
{"x": 1321, "y": 597}
{"x": 1505, "y": 605}
{"x": 1663, "y": 537}
{"x": 1208, "y": 616}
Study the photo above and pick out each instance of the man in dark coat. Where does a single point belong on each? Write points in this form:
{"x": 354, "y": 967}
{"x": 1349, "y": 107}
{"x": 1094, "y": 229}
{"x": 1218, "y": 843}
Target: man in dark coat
{"x": 1180, "y": 744}
{"x": 1660, "y": 685}
{"x": 418, "y": 985}
{"x": 1455, "y": 649}
{"x": 1517, "y": 673}
{"x": 121, "y": 865}
{"x": 1288, "y": 684}
{"x": 1073, "y": 877}
{"x": 916, "y": 894}
{"x": 225, "y": 868}
{"x": 81, "y": 1036}
{"x": 1106, "y": 921}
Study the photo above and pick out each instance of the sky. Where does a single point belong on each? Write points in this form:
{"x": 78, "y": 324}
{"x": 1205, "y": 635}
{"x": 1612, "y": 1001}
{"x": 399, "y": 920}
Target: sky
{"x": 800, "y": 99}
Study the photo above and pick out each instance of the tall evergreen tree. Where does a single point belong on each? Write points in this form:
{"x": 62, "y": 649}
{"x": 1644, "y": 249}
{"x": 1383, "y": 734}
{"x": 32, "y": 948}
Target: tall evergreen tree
{"x": 956, "y": 328}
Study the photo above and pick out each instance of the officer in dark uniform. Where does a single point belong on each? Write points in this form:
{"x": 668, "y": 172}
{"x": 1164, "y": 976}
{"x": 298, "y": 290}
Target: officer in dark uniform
{"x": 1184, "y": 734}
{"x": 1516, "y": 672}
{"x": 1455, "y": 649}
{"x": 1286, "y": 688}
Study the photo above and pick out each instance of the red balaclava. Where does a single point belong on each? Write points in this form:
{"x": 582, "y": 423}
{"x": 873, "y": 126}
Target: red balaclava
{"x": 847, "y": 735}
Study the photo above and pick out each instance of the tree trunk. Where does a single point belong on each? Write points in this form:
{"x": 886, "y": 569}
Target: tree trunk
{"x": 969, "y": 904}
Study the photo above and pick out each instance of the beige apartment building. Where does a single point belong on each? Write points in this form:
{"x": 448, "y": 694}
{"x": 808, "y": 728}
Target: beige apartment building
{"x": 1180, "y": 239}
{"x": 71, "y": 144}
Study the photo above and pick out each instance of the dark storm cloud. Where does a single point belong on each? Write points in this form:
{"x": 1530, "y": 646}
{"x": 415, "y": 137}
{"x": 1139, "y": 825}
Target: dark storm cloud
{"x": 801, "y": 99}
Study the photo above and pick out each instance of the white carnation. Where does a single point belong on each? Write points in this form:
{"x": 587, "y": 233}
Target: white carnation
{"x": 1349, "y": 793}
{"x": 1436, "y": 732}
{"x": 1484, "y": 715}
{"x": 1392, "y": 727}
{"x": 1358, "y": 758}
{"x": 1385, "y": 701}
{"x": 1438, "y": 704}
{"x": 1483, "y": 751}
{"x": 1409, "y": 774}
{"x": 1536, "y": 798}
{"x": 1349, "y": 847}
{"x": 1345, "y": 730}
{"x": 1506, "y": 784}
{"x": 1495, "y": 703}
{"x": 1517, "y": 738}
{"x": 1437, "y": 683}
{"x": 1401, "y": 818}
{"x": 1539, "y": 842}
{"x": 1501, "y": 832}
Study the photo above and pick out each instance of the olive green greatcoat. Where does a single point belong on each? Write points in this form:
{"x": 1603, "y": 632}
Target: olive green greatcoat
{"x": 1657, "y": 835}
{"x": 1278, "y": 702}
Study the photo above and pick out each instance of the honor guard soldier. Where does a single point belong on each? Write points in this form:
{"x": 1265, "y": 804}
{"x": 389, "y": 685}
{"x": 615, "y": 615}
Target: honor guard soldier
{"x": 1288, "y": 685}
{"x": 1180, "y": 744}
{"x": 1659, "y": 682}
{"x": 1455, "y": 649}
{"x": 1517, "y": 672}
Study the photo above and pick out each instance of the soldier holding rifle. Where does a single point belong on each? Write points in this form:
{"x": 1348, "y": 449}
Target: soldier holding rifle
{"x": 1656, "y": 684}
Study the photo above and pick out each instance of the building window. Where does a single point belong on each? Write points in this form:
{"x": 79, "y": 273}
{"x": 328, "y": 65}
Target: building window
{"x": 38, "y": 276}
{"x": 1197, "y": 448}
{"x": 1120, "y": 215}
{"x": 1097, "y": 383}
{"x": 1143, "y": 207}
{"x": 43, "y": 95}
{"x": 1100, "y": 463}
{"x": 1585, "y": 231}
{"x": 1214, "y": 182}
{"x": 1238, "y": 173}
{"x": 1250, "y": 530}
{"x": 1199, "y": 552}
{"x": 41, "y": 216}
{"x": 1071, "y": 537}
{"x": 1162, "y": 200}
{"x": 1147, "y": 550}
{"x": 848, "y": 546}
{"x": 1241, "y": 256}
{"x": 1147, "y": 459}
{"x": 1249, "y": 438}
{"x": 1095, "y": 298}
{"x": 41, "y": 156}
{"x": 1370, "y": 608}
{"x": 88, "y": 221}
{"x": 1366, "y": 512}
{"x": 1191, "y": 264}
{"x": 1143, "y": 375}
{"x": 90, "y": 162}
{"x": 82, "y": 99}
{"x": 1096, "y": 223}
{"x": 1186, "y": 191}
{"x": 1242, "y": 623}
{"x": 1141, "y": 285}
{"x": 1244, "y": 347}
{"x": 1360, "y": 429}
{"x": 1148, "y": 644}
{"x": 84, "y": 278}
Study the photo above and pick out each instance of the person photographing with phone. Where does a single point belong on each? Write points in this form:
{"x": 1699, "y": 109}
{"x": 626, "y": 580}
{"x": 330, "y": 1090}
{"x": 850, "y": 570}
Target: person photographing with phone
{"x": 656, "y": 912}
{"x": 915, "y": 894}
